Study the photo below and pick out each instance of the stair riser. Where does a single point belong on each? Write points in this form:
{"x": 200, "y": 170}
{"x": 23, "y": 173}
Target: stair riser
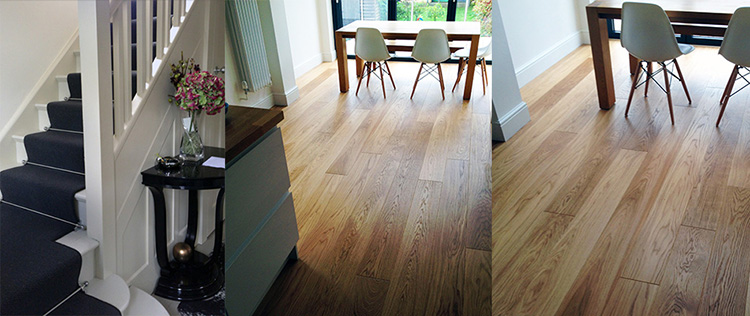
{"x": 66, "y": 115}
{"x": 56, "y": 149}
{"x": 42, "y": 116}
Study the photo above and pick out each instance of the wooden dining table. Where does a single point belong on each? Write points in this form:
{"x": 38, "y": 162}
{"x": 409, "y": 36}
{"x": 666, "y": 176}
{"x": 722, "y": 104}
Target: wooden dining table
{"x": 408, "y": 30}
{"x": 688, "y": 17}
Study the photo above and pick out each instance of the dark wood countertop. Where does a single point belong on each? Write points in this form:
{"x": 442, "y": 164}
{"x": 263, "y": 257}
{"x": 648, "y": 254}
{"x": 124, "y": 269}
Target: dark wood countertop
{"x": 246, "y": 125}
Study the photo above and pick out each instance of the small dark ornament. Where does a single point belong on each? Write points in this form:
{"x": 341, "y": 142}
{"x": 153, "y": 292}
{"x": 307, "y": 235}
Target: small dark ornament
{"x": 168, "y": 163}
{"x": 182, "y": 252}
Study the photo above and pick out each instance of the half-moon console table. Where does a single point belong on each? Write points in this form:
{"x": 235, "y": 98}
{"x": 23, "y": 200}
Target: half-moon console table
{"x": 202, "y": 276}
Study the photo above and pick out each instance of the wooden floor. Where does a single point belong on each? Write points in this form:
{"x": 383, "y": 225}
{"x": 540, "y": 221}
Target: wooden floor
{"x": 598, "y": 214}
{"x": 392, "y": 197}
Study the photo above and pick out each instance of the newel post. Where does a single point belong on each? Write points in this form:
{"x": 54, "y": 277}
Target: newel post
{"x": 96, "y": 81}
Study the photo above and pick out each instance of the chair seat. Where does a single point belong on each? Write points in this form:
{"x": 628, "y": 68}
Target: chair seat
{"x": 464, "y": 53}
{"x": 686, "y": 48}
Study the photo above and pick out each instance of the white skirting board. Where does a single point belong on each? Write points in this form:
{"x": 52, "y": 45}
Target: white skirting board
{"x": 507, "y": 126}
{"x": 545, "y": 60}
{"x": 286, "y": 98}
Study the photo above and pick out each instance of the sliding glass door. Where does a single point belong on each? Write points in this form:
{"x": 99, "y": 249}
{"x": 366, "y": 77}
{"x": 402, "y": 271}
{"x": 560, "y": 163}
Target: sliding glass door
{"x": 348, "y": 11}
{"x": 421, "y": 10}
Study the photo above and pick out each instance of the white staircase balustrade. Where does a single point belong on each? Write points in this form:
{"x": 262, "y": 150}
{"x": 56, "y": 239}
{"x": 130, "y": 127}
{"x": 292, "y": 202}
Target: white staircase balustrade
{"x": 123, "y": 139}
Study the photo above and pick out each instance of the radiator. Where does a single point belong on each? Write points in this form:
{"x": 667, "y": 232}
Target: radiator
{"x": 243, "y": 23}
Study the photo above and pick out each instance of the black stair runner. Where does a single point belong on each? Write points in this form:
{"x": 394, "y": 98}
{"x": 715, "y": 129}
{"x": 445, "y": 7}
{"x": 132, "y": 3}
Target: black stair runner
{"x": 37, "y": 208}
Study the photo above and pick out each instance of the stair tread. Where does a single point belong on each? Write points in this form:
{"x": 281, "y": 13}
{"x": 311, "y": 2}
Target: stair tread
{"x": 53, "y": 191}
{"x": 143, "y": 304}
{"x": 112, "y": 290}
{"x": 84, "y": 305}
{"x": 37, "y": 272}
{"x": 56, "y": 149}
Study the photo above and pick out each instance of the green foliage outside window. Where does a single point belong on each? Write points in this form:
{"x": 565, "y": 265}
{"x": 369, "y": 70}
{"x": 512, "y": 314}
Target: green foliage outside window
{"x": 479, "y": 10}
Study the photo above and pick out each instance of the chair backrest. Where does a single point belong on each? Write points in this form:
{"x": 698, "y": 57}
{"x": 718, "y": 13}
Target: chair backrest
{"x": 736, "y": 46}
{"x": 647, "y": 33}
{"x": 485, "y": 51}
{"x": 431, "y": 46}
{"x": 369, "y": 45}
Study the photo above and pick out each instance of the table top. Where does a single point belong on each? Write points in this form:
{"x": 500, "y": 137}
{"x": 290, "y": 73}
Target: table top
{"x": 389, "y": 28}
{"x": 718, "y": 11}
{"x": 244, "y": 126}
{"x": 190, "y": 176}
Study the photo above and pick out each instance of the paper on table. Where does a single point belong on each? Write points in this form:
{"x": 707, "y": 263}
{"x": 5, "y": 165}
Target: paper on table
{"x": 214, "y": 162}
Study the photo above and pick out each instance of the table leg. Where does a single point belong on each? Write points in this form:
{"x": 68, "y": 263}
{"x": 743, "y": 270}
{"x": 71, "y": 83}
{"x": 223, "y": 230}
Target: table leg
{"x": 218, "y": 225}
{"x": 160, "y": 226}
{"x": 360, "y": 66}
{"x": 602, "y": 60}
{"x": 633, "y": 64}
{"x": 471, "y": 66}
{"x": 192, "y": 227}
{"x": 342, "y": 61}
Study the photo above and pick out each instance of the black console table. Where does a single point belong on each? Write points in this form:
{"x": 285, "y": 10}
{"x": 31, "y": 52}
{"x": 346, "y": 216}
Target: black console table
{"x": 202, "y": 276}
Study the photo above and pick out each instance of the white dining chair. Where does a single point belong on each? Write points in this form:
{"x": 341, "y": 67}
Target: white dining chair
{"x": 463, "y": 61}
{"x": 736, "y": 48}
{"x": 370, "y": 46}
{"x": 431, "y": 48}
{"x": 648, "y": 35}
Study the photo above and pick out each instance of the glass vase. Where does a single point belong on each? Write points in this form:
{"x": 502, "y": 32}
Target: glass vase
{"x": 191, "y": 146}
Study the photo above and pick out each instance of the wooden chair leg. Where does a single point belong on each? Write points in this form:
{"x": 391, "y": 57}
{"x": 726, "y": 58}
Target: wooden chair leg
{"x": 389, "y": 74}
{"x": 484, "y": 80}
{"x": 416, "y": 81}
{"x": 370, "y": 69}
{"x": 484, "y": 70}
{"x": 682, "y": 79}
{"x": 360, "y": 79}
{"x": 728, "y": 92}
{"x": 382, "y": 79}
{"x": 359, "y": 65}
{"x": 442, "y": 86}
{"x": 648, "y": 77}
{"x": 461, "y": 62}
{"x": 632, "y": 90}
{"x": 669, "y": 91}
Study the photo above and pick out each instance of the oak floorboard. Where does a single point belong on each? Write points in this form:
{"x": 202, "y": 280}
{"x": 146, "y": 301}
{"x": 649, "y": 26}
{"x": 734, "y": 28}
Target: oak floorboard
{"x": 371, "y": 232}
{"x": 589, "y": 293}
{"x": 477, "y": 234}
{"x": 726, "y": 286}
{"x": 560, "y": 267}
{"x": 449, "y": 297}
{"x": 389, "y": 223}
{"x": 414, "y": 276}
{"x": 739, "y": 174}
{"x": 679, "y": 291}
{"x": 631, "y": 298}
{"x": 478, "y": 282}
{"x": 648, "y": 256}
{"x": 691, "y": 175}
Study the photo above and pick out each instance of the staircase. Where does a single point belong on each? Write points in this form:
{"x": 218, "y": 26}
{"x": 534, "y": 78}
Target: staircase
{"x": 48, "y": 268}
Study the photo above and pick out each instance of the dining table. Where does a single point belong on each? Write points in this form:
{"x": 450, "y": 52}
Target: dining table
{"x": 688, "y": 17}
{"x": 408, "y": 30}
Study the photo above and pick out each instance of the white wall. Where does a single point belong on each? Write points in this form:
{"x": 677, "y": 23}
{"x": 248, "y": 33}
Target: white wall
{"x": 310, "y": 33}
{"x": 542, "y": 32}
{"x": 509, "y": 112}
{"x": 32, "y": 34}
{"x": 305, "y": 32}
